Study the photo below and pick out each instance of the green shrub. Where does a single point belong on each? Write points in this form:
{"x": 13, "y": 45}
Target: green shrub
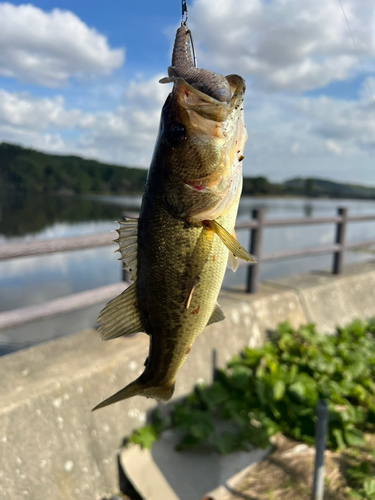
{"x": 276, "y": 387}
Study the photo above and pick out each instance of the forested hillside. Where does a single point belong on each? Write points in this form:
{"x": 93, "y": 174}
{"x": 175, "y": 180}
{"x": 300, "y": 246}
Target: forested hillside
{"x": 322, "y": 187}
{"x": 26, "y": 170}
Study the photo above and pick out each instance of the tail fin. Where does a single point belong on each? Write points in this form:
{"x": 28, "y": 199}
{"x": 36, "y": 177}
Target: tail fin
{"x": 137, "y": 388}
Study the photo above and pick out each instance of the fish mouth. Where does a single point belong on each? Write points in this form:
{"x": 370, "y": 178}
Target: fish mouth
{"x": 222, "y": 187}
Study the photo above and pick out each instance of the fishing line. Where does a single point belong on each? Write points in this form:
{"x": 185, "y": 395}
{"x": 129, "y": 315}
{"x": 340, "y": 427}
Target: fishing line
{"x": 363, "y": 70}
{"x": 184, "y": 11}
{"x": 183, "y": 23}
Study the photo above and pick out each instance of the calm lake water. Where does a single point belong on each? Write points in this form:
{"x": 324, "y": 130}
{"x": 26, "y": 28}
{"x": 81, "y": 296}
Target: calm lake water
{"x": 28, "y": 281}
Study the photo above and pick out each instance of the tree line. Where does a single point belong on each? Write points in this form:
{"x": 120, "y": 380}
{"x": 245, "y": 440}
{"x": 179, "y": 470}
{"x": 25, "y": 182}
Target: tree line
{"x": 24, "y": 170}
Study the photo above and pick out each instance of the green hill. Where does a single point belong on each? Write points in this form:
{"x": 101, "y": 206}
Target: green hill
{"x": 320, "y": 187}
{"x": 24, "y": 170}
{"x": 27, "y": 171}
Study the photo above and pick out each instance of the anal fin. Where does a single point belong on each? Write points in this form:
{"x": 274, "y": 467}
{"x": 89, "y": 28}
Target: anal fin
{"x": 231, "y": 243}
{"x": 217, "y": 315}
{"x": 120, "y": 316}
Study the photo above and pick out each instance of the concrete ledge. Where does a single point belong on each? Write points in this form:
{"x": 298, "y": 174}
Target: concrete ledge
{"x": 329, "y": 300}
{"x": 52, "y": 446}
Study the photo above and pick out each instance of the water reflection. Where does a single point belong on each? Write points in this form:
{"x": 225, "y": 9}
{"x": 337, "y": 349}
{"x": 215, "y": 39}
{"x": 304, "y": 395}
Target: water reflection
{"x": 22, "y": 215}
{"x": 34, "y": 280}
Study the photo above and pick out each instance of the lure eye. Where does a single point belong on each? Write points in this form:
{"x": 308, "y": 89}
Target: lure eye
{"x": 176, "y": 134}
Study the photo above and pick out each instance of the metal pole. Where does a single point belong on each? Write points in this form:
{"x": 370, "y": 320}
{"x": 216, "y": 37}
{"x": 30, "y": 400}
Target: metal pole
{"x": 214, "y": 365}
{"x": 256, "y": 237}
{"x": 320, "y": 444}
{"x": 338, "y": 257}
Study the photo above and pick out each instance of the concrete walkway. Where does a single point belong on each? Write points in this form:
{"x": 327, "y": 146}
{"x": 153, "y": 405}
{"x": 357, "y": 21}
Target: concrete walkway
{"x": 53, "y": 447}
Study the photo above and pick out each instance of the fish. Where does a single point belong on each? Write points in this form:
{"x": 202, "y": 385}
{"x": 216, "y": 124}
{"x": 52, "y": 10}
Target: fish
{"x": 177, "y": 251}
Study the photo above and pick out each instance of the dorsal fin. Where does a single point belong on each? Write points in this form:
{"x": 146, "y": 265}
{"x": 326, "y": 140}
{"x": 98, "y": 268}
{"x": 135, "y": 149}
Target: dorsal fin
{"x": 127, "y": 242}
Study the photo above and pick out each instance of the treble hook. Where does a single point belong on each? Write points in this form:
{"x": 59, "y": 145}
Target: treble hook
{"x": 184, "y": 12}
{"x": 183, "y": 23}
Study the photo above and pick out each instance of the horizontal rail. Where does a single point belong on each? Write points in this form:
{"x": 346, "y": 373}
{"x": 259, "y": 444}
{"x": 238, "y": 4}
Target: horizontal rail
{"x": 360, "y": 244}
{"x": 290, "y": 254}
{"x": 303, "y": 252}
{"x": 360, "y": 218}
{"x": 253, "y": 223}
{"x": 17, "y": 317}
{"x": 306, "y": 221}
{"x": 32, "y": 248}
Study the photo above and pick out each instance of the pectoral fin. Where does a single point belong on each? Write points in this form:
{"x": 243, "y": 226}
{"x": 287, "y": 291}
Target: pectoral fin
{"x": 217, "y": 315}
{"x": 120, "y": 316}
{"x": 231, "y": 243}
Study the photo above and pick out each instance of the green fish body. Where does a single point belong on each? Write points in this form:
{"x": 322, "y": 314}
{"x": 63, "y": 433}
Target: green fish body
{"x": 177, "y": 251}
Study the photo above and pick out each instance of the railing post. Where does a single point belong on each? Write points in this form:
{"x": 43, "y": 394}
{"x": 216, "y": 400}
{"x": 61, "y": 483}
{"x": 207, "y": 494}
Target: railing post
{"x": 256, "y": 237}
{"x": 338, "y": 257}
{"x": 320, "y": 445}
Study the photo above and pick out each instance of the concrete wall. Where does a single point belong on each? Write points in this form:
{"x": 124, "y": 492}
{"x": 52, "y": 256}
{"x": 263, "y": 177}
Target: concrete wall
{"x": 53, "y": 447}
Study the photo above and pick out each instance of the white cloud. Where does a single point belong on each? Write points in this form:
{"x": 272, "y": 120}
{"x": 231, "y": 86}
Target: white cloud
{"x": 126, "y": 135}
{"x": 288, "y": 135}
{"x": 284, "y": 45}
{"x": 333, "y": 147}
{"x": 281, "y": 46}
{"x": 49, "y": 48}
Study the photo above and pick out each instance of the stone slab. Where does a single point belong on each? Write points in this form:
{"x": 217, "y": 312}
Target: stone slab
{"x": 329, "y": 300}
{"x": 52, "y": 446}
{"x": 166, "y": 474}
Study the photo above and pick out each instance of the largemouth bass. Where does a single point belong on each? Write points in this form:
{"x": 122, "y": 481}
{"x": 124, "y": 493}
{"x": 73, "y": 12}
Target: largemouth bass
{"x": 177, "y": 251}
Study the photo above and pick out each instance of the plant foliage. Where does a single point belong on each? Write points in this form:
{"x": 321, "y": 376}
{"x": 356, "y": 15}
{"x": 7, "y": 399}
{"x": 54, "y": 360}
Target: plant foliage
{"x": 276, "y": 387}
{"x": 361, "y": 477}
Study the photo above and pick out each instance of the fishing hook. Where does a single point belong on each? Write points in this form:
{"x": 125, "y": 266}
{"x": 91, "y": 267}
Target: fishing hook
{"x": 183, "y": 23}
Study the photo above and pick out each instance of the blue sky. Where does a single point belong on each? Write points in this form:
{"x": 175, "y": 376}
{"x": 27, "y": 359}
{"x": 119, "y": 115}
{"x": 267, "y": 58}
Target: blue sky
{"x": 82, "y": 77}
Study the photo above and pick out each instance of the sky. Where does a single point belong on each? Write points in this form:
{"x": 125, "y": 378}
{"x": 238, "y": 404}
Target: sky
{"x": 80, "y": 77}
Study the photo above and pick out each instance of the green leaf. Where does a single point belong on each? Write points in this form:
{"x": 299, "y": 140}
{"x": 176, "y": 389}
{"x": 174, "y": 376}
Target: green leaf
{"x": 360, "y": 472}
{"x": 215, "y": 394}
{"x": 144, "y": 436}
{"x": 339, "y": 438}
{"x": 297, "y": 389}
{"x": 354, "y": 494}
{"x": 279, "y": 390}
{"x": 369, "y": 487}
{"x": 354, "y": 437}
{"x": 226, "y": 443}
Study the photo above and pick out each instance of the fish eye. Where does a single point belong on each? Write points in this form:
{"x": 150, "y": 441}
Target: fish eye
{"x": 176, "y": 134}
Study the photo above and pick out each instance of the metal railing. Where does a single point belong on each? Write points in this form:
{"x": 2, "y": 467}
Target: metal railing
{"x": 257, "y": 224}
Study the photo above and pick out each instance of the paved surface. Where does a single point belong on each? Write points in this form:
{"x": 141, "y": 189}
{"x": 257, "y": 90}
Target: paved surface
{"x": 52, "y": 446}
